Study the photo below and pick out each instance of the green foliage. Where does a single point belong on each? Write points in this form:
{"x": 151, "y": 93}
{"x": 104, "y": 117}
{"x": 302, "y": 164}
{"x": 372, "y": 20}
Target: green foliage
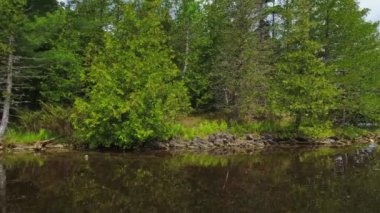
{"x": 277, "y": 128}
{"x": 54, "y": 42}
{"x": 240, "y": 57}
{"x": 13, "y": 11}
{"x": 317, "y": 130}
{"x": 202, "y": 129}
{"x": 53, "y": 118}
{"x": 41, "y": 7}
{"x": 352, "y": 45}
{"x": 302, "y": 85}
{"x": 25, "y": 137}
{"x": 129, "y": 68}
{"x": 351, "y": 132}
{"x": 191, "y": 43}
{"x": 135, "y": 94}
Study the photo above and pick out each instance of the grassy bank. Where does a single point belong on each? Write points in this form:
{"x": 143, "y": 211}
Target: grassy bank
{"x": 191, "y": 127}
{"x": 14, "y": 136}
{"x": 53, "y": 123}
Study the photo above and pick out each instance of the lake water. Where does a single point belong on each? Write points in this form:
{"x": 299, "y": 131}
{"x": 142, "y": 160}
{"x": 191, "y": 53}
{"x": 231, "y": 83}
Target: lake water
{"x": 272, "y": 180}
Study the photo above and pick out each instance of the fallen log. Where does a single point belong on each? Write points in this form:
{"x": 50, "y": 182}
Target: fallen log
{"x": 39, "y": 145}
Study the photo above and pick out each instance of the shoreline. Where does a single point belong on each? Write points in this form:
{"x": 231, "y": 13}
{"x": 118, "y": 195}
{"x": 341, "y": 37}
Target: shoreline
{"x": 218, "y": 143}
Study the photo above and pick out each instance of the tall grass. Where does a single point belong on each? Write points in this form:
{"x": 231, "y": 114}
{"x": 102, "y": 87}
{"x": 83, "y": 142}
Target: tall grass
{"x": 18, "y": 137}
{"x": 201, "y": 129}
{"x": 51, "y": 117}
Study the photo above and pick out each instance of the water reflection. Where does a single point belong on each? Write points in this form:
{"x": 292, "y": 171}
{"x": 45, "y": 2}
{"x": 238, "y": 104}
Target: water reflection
{"x": 359, "y": 157}
{"x": 296, "y": 180}
{"x": 3, "y": 181}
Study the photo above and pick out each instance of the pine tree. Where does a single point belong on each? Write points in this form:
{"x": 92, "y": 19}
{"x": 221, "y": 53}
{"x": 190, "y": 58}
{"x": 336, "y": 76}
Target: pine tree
{"x": 239, "y": 68}
{"x": 303, "y": 87}
{"x": 74, "y": 38}
{"x": 352, "y": 46}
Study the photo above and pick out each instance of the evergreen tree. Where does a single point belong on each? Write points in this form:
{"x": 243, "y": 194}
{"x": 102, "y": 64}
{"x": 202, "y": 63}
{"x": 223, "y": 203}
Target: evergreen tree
{"x": 351, "y": 45}
{"x": 239, "y": 68}
{"x": 136, "y": 93}
{"x": 303, "y": 87}
{"x": 74, "y": 38}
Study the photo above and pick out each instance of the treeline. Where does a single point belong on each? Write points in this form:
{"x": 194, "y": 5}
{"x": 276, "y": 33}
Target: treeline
{"x": 122, "y": 72}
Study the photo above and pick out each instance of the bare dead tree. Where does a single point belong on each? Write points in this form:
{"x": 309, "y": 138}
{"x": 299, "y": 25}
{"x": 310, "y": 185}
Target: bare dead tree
{"x": 11, "y": 87}
{"x": 8, "y": 91}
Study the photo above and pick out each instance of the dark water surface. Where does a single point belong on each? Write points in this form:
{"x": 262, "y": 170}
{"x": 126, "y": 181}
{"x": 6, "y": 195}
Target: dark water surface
{"x": 276, "y": 180}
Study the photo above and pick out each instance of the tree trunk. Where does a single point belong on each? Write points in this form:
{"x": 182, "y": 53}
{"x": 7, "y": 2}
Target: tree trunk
{"x": 187, "y": 50}
{"x": 8, "y": 92}
{"x": 297, "y": 123}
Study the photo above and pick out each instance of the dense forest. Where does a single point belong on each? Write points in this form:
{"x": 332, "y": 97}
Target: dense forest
{"x": 114, "y": 73}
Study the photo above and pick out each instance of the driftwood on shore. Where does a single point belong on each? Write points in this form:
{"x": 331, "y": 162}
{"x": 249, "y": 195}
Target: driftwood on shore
{"x": 36, "y": 146}
{"x": 39, "y": 145}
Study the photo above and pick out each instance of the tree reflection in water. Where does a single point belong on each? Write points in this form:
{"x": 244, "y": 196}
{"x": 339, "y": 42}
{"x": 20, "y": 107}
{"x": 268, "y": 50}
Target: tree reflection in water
{"x": 294, "y": 180}
{"x": 3, "y": 183}
{"x": 359, "y": 157}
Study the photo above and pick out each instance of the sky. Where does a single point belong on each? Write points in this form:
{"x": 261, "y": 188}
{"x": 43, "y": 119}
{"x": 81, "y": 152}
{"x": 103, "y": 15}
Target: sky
{"x": 373, "y": 5}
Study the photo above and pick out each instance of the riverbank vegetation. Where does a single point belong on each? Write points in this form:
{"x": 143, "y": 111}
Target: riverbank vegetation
{"x": 111, "y": 73}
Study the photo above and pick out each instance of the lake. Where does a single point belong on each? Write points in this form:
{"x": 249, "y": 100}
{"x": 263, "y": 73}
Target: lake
{"x": 270, "y": 180}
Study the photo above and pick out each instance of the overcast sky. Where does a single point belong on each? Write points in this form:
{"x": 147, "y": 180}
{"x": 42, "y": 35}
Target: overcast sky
{"x": 374, "y": 6}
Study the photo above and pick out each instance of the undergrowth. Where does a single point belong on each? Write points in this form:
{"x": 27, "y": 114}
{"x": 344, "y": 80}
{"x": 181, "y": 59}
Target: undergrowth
{"x": 202, "y": 129}
{"x": 22, "y": 137}
{"x": 282, "y": 129}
